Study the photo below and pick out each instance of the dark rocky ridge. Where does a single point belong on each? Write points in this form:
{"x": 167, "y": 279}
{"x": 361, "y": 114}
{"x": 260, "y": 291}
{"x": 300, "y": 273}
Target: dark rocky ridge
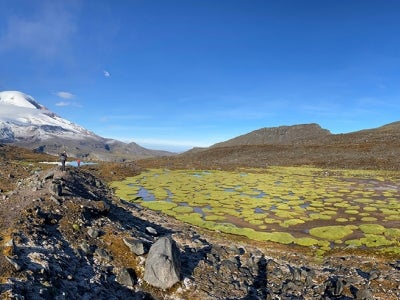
{"x": 69, "y": 244}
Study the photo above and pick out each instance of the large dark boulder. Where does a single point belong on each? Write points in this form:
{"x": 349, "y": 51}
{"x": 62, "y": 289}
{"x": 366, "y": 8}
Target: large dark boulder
{"x": 162, "y": 267}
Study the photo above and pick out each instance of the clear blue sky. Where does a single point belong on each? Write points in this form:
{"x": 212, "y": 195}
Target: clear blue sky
{"x": 173, "y": 74}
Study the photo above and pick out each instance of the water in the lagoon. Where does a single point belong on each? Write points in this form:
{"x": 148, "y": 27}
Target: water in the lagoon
{"x": 146, "y": 195}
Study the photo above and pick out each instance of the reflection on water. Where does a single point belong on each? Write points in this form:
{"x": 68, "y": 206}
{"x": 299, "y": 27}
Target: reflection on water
{"x": 146, "y": 195}
{"x": 258, "y": 210}
{"x": 305, "y": 205}
{"x": 200, "y": 211}
{"x": 200, "y": 174}
{"x": 82, "y": 163}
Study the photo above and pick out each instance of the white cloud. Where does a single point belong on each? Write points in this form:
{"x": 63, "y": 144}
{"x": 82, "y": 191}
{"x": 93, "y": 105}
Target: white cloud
{"x": 62, "y": 103}
{"x": 66, "y": 103}
{"x": 106, "y": 73}
{"x": 65, "y": 95}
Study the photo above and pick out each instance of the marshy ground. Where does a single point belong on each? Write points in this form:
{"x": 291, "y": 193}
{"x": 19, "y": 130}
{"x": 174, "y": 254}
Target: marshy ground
{"x": 317, "y": 208}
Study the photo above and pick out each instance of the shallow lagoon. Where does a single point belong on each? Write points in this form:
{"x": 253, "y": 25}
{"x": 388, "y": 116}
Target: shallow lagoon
{"x": 299, "y": 205}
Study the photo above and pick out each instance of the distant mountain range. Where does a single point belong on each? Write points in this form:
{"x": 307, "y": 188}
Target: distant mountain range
{"x": 305, "y": 144}
{"x": 26, "y": 123}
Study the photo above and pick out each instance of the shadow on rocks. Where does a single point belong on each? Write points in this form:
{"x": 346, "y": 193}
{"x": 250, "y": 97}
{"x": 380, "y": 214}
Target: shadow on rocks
{"x": 52, "y": 269}
{"x": 191, "y": 257}
{"x": 259, "y": 290}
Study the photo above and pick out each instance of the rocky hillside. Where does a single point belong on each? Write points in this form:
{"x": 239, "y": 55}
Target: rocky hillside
{"x": 64, "y": 235}
{"x": 377, "y": 148}
{"x": 304, "y": 133}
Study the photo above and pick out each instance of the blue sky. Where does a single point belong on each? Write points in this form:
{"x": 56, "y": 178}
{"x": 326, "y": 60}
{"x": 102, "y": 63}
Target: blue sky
{"x": 174, "y": 74}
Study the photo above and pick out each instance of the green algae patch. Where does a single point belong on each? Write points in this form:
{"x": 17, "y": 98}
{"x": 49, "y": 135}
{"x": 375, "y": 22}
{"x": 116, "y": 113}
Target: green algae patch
{"x": 125, "y": 190}
{"x": 369, "y": 219}
{"x": 374, "y": 240}
{"x": 158, "y": 205}
{"x": 277, "y": 203}
{"x": 342, "y": 220}
{"x": 306, "y": 241}
{"x": 372, "y": 228}
{"x": 332, "y": 233}
{"x": 291, "y": 222}
{"x": 183, "y": 209}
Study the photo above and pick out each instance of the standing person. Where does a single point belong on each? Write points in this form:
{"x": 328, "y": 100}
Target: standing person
{"x": 63, "y": 158}
{"x": 78, "y": 162}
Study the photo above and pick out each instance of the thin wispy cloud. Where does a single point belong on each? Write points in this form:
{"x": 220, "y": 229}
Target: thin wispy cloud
{"x": 106, "y": 73}
{"x": 65, "y": 95}
{"x": 62, "y": 103}
{"x": 46, "y": 31}
{"x": 67, "y": 103}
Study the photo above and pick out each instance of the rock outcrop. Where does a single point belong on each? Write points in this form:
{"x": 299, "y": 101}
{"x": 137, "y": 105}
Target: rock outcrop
{"x": 163, "y": 264}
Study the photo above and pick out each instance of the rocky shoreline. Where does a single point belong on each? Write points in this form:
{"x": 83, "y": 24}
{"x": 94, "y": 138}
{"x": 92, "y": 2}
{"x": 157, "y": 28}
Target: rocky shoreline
{"x": 64, "y": 235}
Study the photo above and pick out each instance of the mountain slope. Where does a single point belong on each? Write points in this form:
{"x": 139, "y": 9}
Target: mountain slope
{"x": 26, "y": 123}
{"x": 377, "y": 148}
{"x": 28, "y": 119}
{"x": 278, "y": 135}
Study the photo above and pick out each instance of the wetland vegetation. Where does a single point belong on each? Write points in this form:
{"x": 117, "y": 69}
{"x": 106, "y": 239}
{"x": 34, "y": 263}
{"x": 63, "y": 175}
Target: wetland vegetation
{"x": 318, "y": 208}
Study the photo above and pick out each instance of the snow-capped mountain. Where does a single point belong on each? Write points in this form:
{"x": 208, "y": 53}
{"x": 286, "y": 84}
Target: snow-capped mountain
{"x": 21, "y": 118}
{"x": 25, "y": 122}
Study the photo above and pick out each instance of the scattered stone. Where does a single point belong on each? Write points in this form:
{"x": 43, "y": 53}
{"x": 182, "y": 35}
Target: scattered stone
{"x": 162, "y": 268}
{"x": 151, "y": 231}
{"x": 9, "y": 248}
{"x": 85, "y": 247}
{"x": 126, "y": 277}
{"x": 103, "y": 255}
{"x": 93, "y": 232}
{"x": 55, "y": 200}
{"x": 137, "y": 246}
{"x": 49, "y": 175}
{"x": 14, "y": 263}
{"x": 334, "y": 287}
{"x": 363, "y": 293}
{"x": 56, "y": 188}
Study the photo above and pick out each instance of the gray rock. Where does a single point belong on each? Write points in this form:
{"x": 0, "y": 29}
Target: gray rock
{"x": 49, "y": 175}
{"x": 364, "y": 294}
{"x": 126, "y": 277}
{"x": 374, "y": 274}
{"x": 55, "y": 200}
{"x": 11, "y": 245}
{"x": 103, "y": 255}
{"x": 56, "y": 188}
{"x": 296, "y": 273}
{"x": 151, "y": 230}
{"x": 85, "y": 247}
{"x": 162, "y": 268}
{"x": 14, "y": 263}
{"x": 93, "y": 232}
{"x": 139, "y": 247}
{"x": 334, "y": 287}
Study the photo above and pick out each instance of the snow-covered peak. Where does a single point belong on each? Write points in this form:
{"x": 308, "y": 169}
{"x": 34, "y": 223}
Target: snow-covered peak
{"x": 19, "y": 99}
{"x": 21, "y": 118}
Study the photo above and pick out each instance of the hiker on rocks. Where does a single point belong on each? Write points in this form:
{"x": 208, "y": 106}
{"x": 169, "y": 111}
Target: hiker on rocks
{"x": 63, "y": 159}
{"x": 78, "y": 162}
